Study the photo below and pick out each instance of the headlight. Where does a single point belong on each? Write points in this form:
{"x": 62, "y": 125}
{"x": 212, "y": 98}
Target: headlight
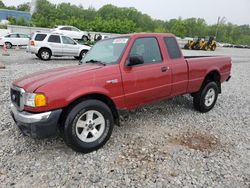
{"x": 35, "y": 100}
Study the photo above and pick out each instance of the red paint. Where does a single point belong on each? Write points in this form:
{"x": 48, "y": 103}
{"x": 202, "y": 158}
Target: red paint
{"x": 136, "y": 85}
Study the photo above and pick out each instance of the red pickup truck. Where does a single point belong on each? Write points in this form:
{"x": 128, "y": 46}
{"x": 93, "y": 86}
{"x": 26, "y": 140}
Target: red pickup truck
{"x": 83, "y": 102}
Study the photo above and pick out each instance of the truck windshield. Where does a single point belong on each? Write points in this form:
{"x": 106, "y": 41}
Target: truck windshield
{"x": 107, "y": 51}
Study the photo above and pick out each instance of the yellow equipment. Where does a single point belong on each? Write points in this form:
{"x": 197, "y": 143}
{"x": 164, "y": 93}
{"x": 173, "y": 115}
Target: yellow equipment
{"x": 191, "y": 43}
{"x": 211, "y": 43}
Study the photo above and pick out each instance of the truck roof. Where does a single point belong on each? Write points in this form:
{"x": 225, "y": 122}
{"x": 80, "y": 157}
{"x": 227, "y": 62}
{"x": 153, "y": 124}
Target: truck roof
{"x": 149, "y": 34}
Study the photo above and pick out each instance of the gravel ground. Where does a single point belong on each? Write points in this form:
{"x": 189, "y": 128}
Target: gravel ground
{"x": 166, "y": 144}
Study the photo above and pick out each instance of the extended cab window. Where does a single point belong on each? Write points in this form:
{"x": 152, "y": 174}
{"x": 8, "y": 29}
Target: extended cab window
{"x": 40, "y": 37}
{"x": 148, "y": 48}
{"x": 54, "y": 39}
{"x": 172, "y": 47}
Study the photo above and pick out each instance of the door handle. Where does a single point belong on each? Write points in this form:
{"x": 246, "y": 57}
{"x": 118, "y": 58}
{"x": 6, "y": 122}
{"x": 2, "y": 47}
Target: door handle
{"x": 164, "y": 69}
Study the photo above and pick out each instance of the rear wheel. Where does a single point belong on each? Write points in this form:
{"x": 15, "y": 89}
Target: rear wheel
{"x": 88, "y": 126}
{"x": 44, "y": 54}
{"x": 213, "y": 47}
{"x": 85, "y": 38}
{"x": 206, "y": 98}
{"x": 8, "y": 45}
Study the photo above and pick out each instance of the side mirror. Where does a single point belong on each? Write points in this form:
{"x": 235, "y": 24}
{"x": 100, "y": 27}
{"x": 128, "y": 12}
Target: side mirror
{"x": 135, "y": 60}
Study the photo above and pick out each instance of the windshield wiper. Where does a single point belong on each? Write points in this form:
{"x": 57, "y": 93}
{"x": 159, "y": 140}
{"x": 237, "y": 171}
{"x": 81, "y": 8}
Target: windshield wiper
{"x": 96, "y": 61}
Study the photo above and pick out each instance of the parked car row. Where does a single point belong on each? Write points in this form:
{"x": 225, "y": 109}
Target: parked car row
{"x": 227, "y": 45}
{"x": 15, "y": 39}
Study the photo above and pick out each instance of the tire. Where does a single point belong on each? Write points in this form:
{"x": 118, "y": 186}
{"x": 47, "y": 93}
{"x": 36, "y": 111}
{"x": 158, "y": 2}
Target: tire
{"x": 206, "y": 98}
{"x": 8, "y": 45}
{"x": 86, "y": 134}
{"x": 213, "y": 48}
{"x": 37, "y": 55}
{"x": 186, "y": 46}
{"x": 83, "y": 53}
{"x": 85, "y": 38}
{"x": 44, "y": 54}
{"x": 77, "y": 57}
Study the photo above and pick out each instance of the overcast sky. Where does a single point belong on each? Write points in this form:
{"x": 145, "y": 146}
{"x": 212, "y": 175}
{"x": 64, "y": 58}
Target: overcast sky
{"x": 235, "y": 11}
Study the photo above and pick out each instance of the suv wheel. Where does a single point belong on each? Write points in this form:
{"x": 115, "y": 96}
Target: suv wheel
{"x": 45, "y": 54}
{"x": 206, "y": 98}
{"x": 88, "y": 126}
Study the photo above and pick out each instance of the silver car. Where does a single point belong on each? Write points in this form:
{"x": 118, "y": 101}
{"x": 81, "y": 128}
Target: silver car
{"x": 45, "y": 45}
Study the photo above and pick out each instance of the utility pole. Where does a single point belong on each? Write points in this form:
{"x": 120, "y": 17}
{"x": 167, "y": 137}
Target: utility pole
{"x": 219, "y": 22}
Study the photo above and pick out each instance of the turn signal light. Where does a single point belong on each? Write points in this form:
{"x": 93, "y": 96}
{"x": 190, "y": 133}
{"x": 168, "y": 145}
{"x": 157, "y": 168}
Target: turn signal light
{"x": 40, "y": 100}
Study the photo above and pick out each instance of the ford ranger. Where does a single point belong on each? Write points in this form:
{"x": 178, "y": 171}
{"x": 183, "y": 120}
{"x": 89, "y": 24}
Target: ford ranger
{"x": 83, "y": 102}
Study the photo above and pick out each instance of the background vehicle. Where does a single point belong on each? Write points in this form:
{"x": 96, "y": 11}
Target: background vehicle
{"x": 192, "y": 43}
{"x": 45, "y": 45}
{"x": 121, "y": 73}
{"x": 210, "y": 43}
{"x": 15, "y": 39}
{"x": 72, "y": 32}
{"x": 201, "y": 43}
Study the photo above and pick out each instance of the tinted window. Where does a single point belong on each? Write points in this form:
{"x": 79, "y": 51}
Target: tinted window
{"x": 172, "y": 47}
{"x": 40, "y": 37}
{"x": 66, "y": 28}
{"x": 148, "y": 48}
{"x": 23, "y": 36}
{"x": 54, "y": 39}
{"x": 67, "y": 40}
{"x": 14, "y": 36}
{"x": 74, "y": 29}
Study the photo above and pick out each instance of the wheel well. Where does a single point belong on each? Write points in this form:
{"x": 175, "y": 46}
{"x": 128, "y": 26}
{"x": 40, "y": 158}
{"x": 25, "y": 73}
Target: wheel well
{"x": 100, "y": 97}
{"x": 213, "y": 76}
{"x": 43, "y": 49}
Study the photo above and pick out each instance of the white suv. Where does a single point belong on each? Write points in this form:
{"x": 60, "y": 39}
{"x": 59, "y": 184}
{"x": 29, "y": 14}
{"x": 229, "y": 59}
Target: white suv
{"x": 72, "y": 32}
{"x": 45, "y": 45}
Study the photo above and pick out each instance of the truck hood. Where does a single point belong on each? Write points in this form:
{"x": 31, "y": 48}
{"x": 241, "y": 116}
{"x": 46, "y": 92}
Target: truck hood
{"x": 33, "y": 81}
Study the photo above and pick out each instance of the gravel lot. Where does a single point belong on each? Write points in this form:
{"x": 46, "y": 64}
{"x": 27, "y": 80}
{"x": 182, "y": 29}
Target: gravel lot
{"x": 167, "y": 144}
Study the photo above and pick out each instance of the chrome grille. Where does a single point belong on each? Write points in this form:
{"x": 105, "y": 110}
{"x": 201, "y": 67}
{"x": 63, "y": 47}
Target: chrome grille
{"x": 17, "y": 97}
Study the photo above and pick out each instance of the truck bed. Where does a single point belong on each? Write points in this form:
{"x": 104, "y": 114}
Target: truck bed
{"x": 202, "y": 65}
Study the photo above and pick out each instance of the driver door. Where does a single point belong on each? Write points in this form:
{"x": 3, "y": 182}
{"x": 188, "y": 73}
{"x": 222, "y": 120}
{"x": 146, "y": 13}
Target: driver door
{"x": 149, "y": 81}
{"x": 70, "y": 47}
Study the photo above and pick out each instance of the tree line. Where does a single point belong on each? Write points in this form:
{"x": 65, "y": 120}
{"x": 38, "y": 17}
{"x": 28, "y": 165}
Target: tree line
{"x": 112, "y": 19}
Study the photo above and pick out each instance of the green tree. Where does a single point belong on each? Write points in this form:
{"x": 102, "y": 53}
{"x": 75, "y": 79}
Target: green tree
{"x": 2, "y": 4}
{"x": 24, "y": 7}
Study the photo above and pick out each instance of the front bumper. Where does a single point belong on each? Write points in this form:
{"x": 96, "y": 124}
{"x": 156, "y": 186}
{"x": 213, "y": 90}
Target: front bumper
{"x": 36, "y": 125}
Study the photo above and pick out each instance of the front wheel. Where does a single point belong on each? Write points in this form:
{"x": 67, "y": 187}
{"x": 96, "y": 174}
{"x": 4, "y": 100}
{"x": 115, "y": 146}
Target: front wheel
{"x": 206, "y": 98}
{"x": 213, "y": 48}
{"x": 88, "y": 126}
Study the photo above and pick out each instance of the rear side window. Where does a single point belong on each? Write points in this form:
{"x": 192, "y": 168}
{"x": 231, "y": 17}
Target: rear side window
{"x": 23, "y": 36}
{"x": 40, "y": 37}
{"x": 66, "y": 28}
{"x": 172, "y": 47}
{"x": 54, "y": 39}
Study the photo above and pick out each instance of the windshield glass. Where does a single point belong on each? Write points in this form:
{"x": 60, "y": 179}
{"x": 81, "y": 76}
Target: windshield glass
{"x": 106, "y": 51}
